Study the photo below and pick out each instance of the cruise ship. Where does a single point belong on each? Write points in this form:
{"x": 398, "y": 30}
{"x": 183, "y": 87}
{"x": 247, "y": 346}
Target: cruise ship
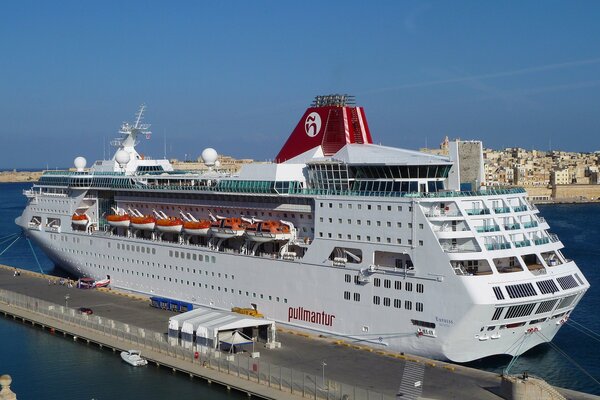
{"x": 338, "y": 236}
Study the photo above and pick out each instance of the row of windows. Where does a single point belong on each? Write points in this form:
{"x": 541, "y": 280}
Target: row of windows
{"x": 192, "y": 256}
{"x": 368, "y": 238}
{"x": 388, "y": 302}
{"x": 368, "y": 222}
{"x": 349, "y": 206}
{"x": 187, "y": 282}
{"x": 136, "y": 248}
{"x": 387, "y": 283}
{"x": 356, "y": 296}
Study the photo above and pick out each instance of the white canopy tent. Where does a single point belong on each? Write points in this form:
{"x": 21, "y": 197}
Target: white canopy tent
{"x": 209, "y": 327}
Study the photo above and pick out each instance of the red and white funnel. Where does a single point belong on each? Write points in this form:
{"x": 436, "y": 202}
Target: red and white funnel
{"x": 331, "y": 123}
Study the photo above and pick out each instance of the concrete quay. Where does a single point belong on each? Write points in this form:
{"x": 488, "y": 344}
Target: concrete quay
{"x": 350, "y": 370}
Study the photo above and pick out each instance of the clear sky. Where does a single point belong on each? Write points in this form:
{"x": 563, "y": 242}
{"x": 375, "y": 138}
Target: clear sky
{"x": 237, "y": 76}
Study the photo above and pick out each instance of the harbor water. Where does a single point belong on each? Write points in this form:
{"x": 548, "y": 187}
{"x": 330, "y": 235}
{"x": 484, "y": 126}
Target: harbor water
{"x": 57, "y": 368}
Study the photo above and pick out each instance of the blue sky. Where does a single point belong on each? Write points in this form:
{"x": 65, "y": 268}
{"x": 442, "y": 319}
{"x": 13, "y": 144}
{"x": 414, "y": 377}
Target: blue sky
{"x": 237, "y": 76}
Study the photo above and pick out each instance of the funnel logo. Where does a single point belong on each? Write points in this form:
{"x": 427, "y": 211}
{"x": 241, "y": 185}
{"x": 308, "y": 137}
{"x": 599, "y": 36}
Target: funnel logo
{"x": 312, "y": 125}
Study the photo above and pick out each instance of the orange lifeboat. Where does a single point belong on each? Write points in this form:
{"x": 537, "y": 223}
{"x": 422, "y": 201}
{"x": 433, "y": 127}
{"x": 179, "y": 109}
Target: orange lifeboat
{"x": 267, "y": 231}
{"x": 199, "y": 228}
{"x": 171, "y": 224}
{"x": 118, "y": 220}
{"x": 227, "y": 228}
{"x": 143, "y": 222}
{"x": 80, "y": 219}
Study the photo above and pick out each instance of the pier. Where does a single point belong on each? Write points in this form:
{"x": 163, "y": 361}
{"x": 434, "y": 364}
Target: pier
{"x": 307, "y": 366}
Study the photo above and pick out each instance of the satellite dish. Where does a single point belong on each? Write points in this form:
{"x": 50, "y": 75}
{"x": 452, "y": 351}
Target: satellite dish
{"x": 80, "y": 163}
{"x": 209, "y": 156}
{"x": 122, "y": 157}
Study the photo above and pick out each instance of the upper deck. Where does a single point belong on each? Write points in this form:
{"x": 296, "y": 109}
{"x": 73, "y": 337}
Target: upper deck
{"x": 184, "y": 181}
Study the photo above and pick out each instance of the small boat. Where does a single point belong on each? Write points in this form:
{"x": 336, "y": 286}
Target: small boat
{"x": 144, "y": 222}
{"x": 227, "y": 228}
{"x": 199, "y": 228}
{"x": 133, "y": 357}
{"x": 171, "y": 224}
{"x": 80, "y": 219}
{"x": 267, "y": 231}
{"x": 118, "y": 220}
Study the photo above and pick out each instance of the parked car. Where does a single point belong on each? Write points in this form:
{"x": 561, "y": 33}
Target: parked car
{"x": 85, "y": 310}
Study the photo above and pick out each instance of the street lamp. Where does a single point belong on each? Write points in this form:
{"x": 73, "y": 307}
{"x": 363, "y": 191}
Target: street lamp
{"x": 66, "y": 300}
{"x": 323, "y": 364}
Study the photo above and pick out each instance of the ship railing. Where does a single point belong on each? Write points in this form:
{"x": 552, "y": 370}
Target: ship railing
{"x": 553, "y": 238}
{"x": 458, "y": 248}
{"x": 155, "y": 345}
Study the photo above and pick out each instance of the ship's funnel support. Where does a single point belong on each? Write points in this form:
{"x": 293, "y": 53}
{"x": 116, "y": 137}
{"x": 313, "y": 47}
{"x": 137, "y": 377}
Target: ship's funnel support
{"x": 332, "y": 121}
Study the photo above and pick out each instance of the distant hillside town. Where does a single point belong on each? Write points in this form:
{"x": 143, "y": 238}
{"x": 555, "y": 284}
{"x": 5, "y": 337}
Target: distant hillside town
{"x": 555, "y": 175}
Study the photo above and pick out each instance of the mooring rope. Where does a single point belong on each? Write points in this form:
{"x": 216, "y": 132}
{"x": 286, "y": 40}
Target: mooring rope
{"x": 565, "y": 355}
{"x": 515, "y": 357}
{"x": 35, "y": 256}
{"x": 590, "y": 332}
{"x": 8, "y": 247}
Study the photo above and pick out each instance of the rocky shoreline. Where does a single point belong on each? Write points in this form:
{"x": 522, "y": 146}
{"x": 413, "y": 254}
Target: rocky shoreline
{"x": 19, "y": 176}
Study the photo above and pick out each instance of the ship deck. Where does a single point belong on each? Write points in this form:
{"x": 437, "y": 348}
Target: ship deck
{"x": 347, "y": 363}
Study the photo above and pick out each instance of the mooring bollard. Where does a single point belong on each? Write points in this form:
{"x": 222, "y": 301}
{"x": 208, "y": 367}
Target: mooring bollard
{"x": 5, "y": 392}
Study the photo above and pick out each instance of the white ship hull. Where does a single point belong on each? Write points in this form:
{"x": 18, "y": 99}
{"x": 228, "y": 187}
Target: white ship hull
{"x": 458, "y": 338}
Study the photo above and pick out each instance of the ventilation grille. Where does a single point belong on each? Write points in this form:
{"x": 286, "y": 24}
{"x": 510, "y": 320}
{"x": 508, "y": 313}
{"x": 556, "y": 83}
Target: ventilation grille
{"x": 547, "y": 286}
{"x": 519, "y": 311}
{"x": 566, "y": 302}
{"x": 567, "y": 282}
{"x": 497, "y": 313}
{"x": 521, "y": 290}
{"x": 498, "y": 293}
{"x": 546, "y": 306}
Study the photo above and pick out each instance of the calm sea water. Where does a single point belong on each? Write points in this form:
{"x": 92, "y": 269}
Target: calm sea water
{"x": 61, "y": 369}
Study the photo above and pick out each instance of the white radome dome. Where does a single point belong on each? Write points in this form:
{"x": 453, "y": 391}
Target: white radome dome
{"x": 80, "y": 163}
{"x": 122, "y": 157}
{"x": 209, "y": 156}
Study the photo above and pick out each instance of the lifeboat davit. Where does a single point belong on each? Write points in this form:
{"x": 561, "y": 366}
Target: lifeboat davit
{"x": 268, "y": 231}
{"x": 227, "y": 228}
{"x": 118, "y": 220}
{"x": 198, "y": 228}
{"x": 173, "y": 225}
{"x": 144, "y": 222}
{"x": 80, "y": 219}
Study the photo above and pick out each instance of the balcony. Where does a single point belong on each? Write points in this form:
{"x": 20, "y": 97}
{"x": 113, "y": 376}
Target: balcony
{"x": 512, "y": 227}
{"x": 530, "y": 224}
{"x": 478, "y": 211}
{"x": 463, "y": 246}
{"x": 523, "y": 243}
{"x": 541, "y": 241}
{"x": 490, "y": 228}
{"x": 498, "y": 246}
{"x": 520, "y": 208}
{"x": 502, "y": 210}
